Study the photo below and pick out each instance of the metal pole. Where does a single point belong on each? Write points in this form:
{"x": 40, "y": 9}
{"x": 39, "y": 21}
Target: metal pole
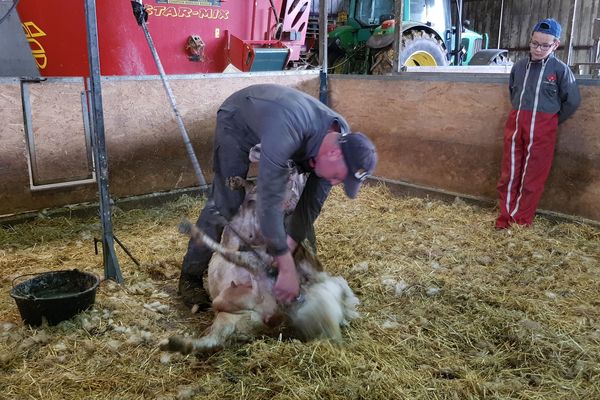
{"x": 184, "y": 135}
{"x": 398, "y": 16}
{"x": 595, "y": 53}
{"x": 458, "y": 34}
{"x": 111, "y": 264}
{"x": 571, "y": 32}
{"x": 324, "y": 86}
{"x": 253, "y": 19}
{"x": 500, "y": 24}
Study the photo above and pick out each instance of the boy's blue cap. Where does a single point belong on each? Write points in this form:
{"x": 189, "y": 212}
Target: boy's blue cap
{"x": 549, "y": 26}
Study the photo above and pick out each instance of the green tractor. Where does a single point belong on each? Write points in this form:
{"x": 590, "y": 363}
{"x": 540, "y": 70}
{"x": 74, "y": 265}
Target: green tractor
{"x": 430, "y": 37}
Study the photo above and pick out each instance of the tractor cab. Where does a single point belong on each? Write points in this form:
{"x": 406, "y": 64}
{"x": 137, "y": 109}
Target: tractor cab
{"x": 371, "y": 13}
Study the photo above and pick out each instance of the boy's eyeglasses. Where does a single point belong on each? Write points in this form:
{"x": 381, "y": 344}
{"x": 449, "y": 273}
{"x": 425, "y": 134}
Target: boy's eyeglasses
{"x": 543, "y": 46}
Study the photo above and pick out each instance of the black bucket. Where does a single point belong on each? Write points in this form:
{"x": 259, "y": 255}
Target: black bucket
{"x": 56, "y": 296}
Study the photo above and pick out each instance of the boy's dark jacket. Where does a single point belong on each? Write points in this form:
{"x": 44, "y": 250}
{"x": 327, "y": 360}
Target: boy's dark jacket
{"x": 558, "y": 92}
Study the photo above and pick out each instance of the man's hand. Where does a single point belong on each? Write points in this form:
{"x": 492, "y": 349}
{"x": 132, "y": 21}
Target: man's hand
{"x": 287, "y": 287}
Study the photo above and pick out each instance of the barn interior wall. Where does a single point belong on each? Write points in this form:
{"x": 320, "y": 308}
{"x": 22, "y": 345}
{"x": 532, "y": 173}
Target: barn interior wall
{"x": 439, "y": 133}
{"x": 143, "y": 143}
{"x": 518, "y": 18}
{"x": 332, "y": 6}
{"x": 448, "y": 134}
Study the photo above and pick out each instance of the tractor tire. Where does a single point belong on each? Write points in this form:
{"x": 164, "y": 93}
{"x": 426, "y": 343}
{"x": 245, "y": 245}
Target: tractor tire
{"x": 338, "y": 64}
{"x": 418, "y": 48}
{"x": 501, "y": 59}
{"x": 491, "y": 57}
{"x": 354, "y": 61}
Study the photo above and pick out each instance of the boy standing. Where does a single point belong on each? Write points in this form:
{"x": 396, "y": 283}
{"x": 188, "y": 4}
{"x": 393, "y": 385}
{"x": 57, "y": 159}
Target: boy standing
{"x": 543, "y": 94}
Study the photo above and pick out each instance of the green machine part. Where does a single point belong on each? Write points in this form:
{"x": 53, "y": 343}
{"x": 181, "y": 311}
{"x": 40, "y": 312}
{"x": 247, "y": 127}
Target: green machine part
{"x": 363, "y": 44}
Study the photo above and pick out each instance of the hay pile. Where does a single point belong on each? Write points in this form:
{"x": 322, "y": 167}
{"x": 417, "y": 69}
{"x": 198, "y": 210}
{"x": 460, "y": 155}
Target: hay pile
{"x": 451, "y": 309}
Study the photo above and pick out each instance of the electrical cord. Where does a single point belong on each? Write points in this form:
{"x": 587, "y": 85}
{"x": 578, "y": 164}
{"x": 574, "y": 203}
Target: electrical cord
{"x": 15, "y": 2}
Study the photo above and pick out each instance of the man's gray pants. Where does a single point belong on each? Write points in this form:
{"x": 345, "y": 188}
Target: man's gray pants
{"x": 222, "y": 203}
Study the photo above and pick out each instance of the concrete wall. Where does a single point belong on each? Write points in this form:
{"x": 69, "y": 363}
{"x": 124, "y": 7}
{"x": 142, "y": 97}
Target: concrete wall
{"x": 443, "y": 132}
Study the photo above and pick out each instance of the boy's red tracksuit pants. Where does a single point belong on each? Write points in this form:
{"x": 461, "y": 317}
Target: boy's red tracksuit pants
{"x": 526, "y": 162}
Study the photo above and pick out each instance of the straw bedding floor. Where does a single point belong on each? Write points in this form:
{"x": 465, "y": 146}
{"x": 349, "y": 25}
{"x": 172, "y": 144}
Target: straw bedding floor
{"x": 450, "y": 309}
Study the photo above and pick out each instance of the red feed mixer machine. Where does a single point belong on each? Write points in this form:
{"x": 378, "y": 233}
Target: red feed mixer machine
{"x": 191, "y": 36}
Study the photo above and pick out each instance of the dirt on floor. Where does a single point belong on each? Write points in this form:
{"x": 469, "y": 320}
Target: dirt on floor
{"x": 450, "y": 309}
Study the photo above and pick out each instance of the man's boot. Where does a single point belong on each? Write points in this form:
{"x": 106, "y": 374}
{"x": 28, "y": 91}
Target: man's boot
{"x": 192, "y": 292}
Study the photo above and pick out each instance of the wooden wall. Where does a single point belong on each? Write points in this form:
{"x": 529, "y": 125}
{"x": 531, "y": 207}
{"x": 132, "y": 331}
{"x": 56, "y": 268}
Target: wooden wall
{"x": 440, "y": 131}
{"x": 447, "y": 133}
{"x": 332, "y": 6}
{"x": 519, "y": 17}
{"x": 144, "y": 147}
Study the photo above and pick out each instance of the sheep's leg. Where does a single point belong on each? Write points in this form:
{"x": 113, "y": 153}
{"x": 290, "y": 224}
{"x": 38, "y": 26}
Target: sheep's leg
{"x": 226, "y": 328}
{"x": 245, "y": 259}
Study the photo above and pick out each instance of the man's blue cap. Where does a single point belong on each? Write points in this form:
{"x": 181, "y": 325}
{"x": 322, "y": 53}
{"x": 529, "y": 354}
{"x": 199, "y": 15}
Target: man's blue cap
{"x": 549, "y": 26}
{"x": 360, "y": 157}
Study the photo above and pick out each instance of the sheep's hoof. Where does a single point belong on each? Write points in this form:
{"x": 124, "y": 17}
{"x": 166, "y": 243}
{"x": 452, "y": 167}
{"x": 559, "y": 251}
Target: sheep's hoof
{"x": 178, "y": 344}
